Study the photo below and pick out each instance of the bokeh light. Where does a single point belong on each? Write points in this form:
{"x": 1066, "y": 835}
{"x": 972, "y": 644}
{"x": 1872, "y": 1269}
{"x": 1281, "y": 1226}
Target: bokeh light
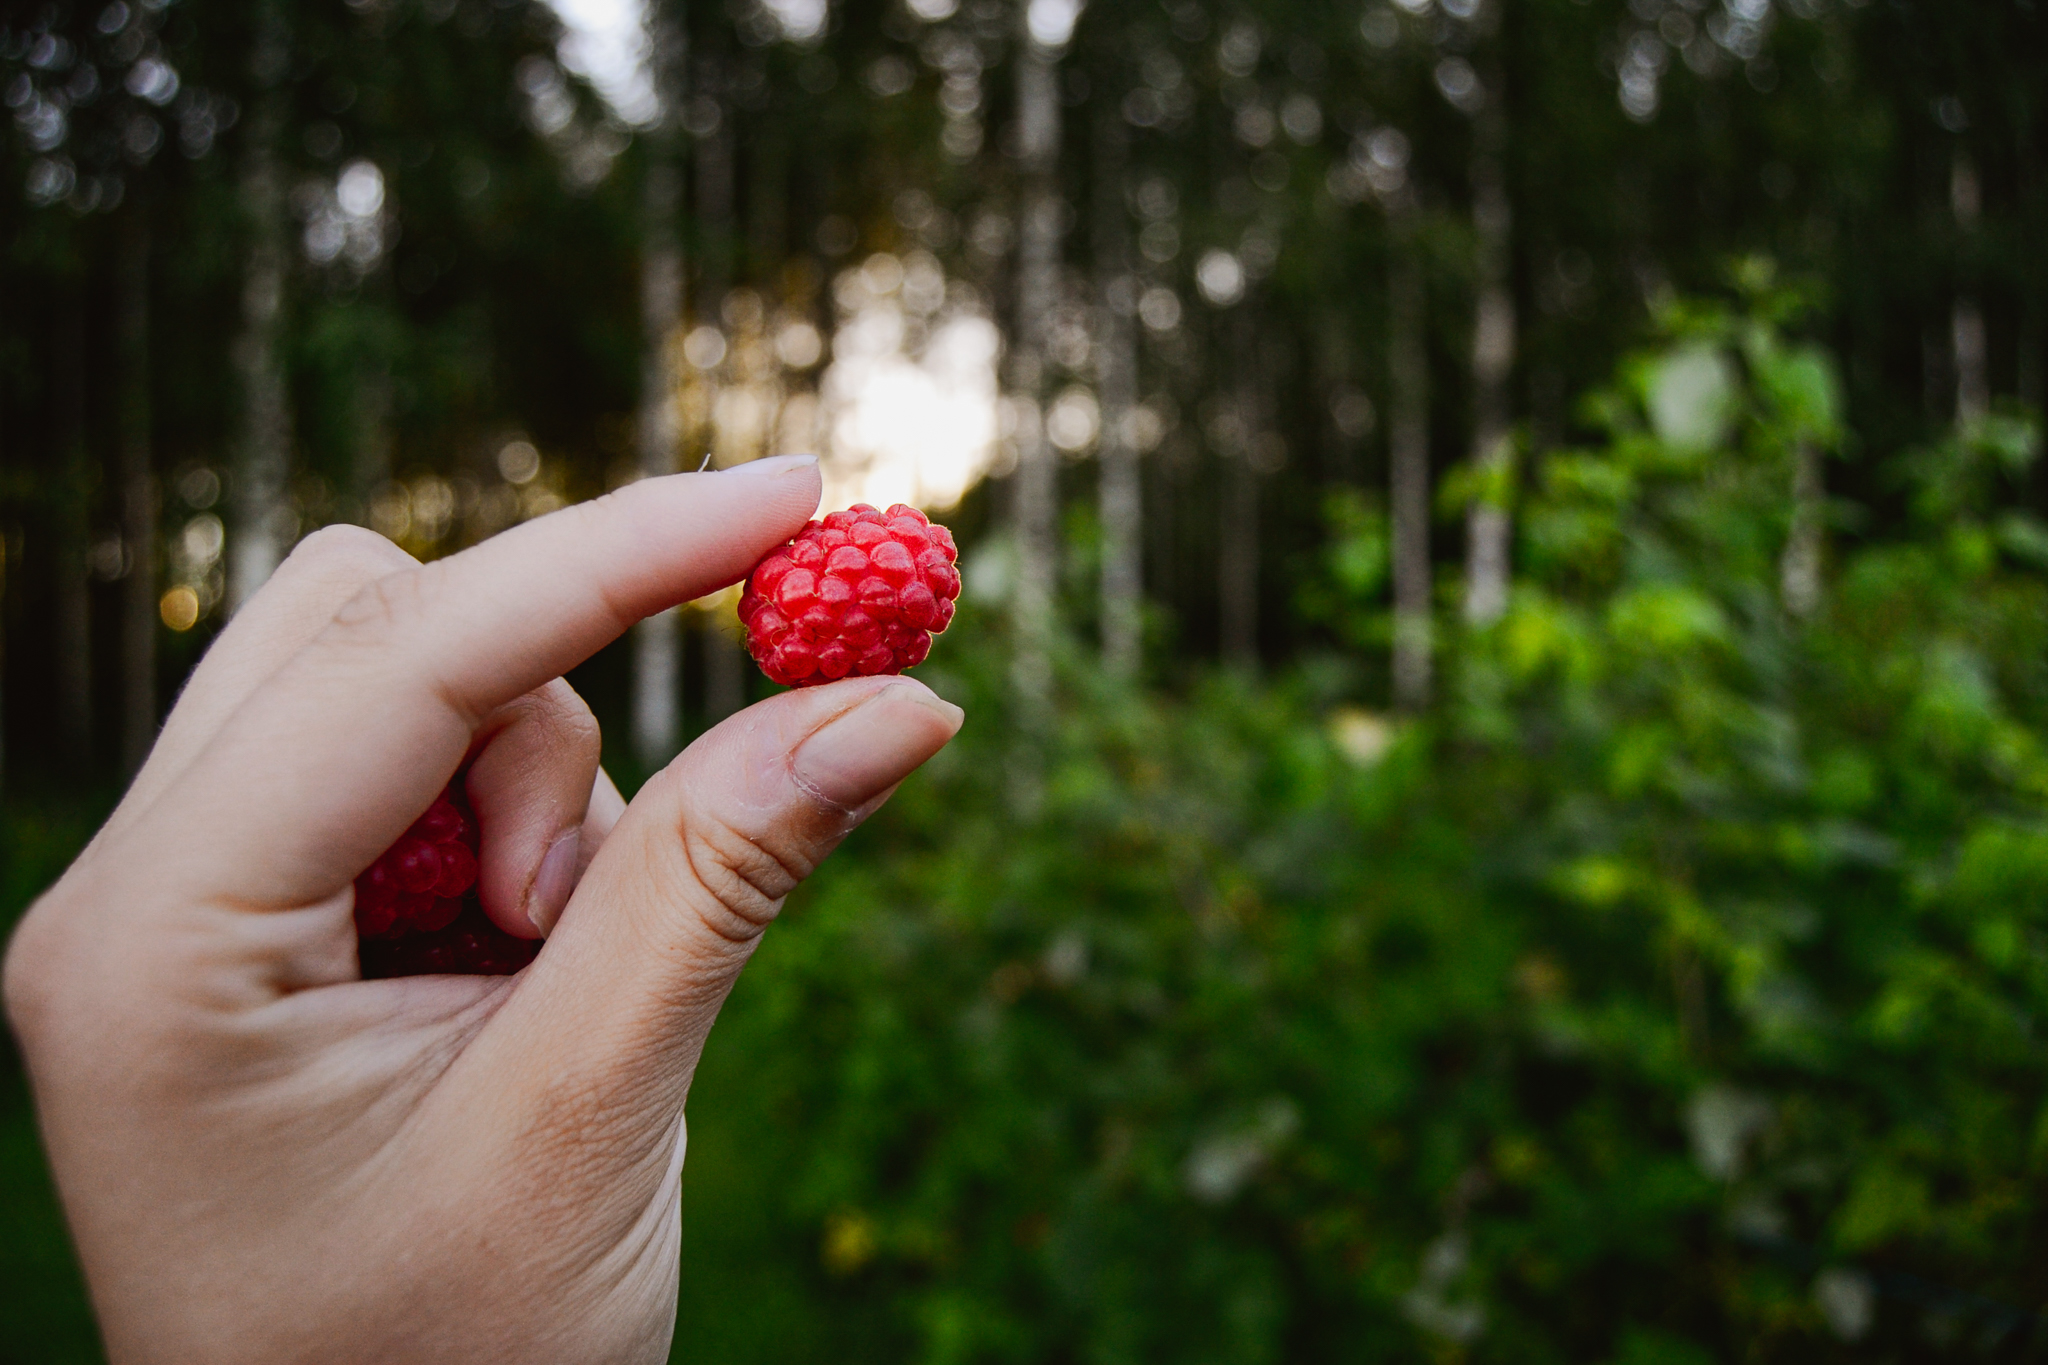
{"x": 179, "y": 608}
{"x": 911, "y": 397}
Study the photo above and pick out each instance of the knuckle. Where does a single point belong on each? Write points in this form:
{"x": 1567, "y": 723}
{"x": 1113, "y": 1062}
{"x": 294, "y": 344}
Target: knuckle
{"x": 388, "y": 620}
{"x": 30, "y": 974}
{"x": 745, "y": 879}
{"x": 380, "y": 609}
{"x": 548, "y": 724}
{"x": 580, "y": 736}
{"x": 348, "y": 552}
{"x": 568, "y": 717}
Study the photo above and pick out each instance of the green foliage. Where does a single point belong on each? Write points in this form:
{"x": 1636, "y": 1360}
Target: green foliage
{"x": 44, "y": 1316}
{"x": 1693, "y": 949}
{"x": 1688, "y": 948}
{"x": 1342, "y": 586}
{"x": 1690, "y": 951}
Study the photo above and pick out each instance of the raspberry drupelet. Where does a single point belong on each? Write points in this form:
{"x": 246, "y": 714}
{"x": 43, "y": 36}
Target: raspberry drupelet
{"x": 417, "y": 909}
{"x": 858, "y": 594}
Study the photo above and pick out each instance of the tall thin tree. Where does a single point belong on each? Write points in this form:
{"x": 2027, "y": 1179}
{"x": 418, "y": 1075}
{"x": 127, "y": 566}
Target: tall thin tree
{"x": 1237, "y": 536}
{"x": 2032, "y": 347}
{"x": 371, "y": 463}
{"x": 71, "y": 533}
{"x": 1800, "y": 563}
{"x": 263, "y": 453}
{"x": 1408, "y": 460}
{"x": 138, "y": 494}
{"x": 1034, "y": 488}
{"x": 1488, "y": 530}
{"x": 5, "y": 585}
{"x": 1121, "y": 505}
{"x": 1966, "y": 321}
{"x": 718, "y": 148}
{"x": 657, "y": 640}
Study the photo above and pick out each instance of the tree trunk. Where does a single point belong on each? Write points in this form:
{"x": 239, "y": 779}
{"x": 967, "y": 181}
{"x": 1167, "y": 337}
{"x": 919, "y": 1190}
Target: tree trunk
{"x": 725, "y": 664}
{"x": 1408, "y": 471}
{"x": 1237, "y": 559}
{"x": 73, "y": 635}
{"x": 4, "y": 586}
{"x": 1348, "y": 416}
{"x": 657, "y": 640}
{"x": 1121, "y": 507}
{"x": 263, "y": 457}
{"x": 2032, "y": 346}
{"x": 1488, "y": 528}
{"x": 1799, "y": 569}
{"x": 138, "y": 499}
{"x": 1034, "y": 504}
{"x": 1966, "y": 324}
{"x": 372, "y": 465}
{"x": 725, "y": 668}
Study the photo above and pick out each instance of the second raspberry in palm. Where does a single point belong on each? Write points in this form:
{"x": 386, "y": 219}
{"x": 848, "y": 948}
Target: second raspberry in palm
{"x": 417, "y": 908}
{"x": 858, "y": 594}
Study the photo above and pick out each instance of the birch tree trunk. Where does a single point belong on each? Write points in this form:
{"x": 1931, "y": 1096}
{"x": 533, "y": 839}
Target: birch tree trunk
{"x": 1799, "y": 568}
{"x": 1034, "y": 487}
{"x": 1488, "y": 526}
{"x": 1408, "y": 468}
{"x": 263, "y": 456}
{"x": 1121, "y": 506}
{"x": 657, "y": 640}
{"x": 138, "y": 498}
{"x": 1966, "y": 323}
{"x": 725, "y": 664}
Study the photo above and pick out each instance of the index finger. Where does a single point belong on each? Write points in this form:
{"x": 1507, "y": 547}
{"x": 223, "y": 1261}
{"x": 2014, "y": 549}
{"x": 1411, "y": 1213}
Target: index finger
{"x": 343, "y": 746}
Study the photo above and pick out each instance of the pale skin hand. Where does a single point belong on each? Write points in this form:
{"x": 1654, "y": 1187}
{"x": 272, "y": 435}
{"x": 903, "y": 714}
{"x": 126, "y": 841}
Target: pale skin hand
{"x": 264, "y": 1157}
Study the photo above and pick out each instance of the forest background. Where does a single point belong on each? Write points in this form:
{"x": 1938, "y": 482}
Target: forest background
{"x": 1505, "y": 812}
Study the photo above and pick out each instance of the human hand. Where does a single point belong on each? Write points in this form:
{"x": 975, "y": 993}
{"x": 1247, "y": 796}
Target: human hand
{"x": 264, "y": 1157}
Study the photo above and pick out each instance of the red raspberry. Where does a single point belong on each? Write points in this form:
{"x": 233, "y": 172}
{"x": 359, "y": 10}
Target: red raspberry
{"x": 417, "y": 909}
{"x": 859, "y": 594}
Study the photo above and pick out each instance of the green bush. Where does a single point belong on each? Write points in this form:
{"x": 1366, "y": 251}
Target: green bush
{"x": 1670, "y": 994}
{"x": 44, "y": 1316}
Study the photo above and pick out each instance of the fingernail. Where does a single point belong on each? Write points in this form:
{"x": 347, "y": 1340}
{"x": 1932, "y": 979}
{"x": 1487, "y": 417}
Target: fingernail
{"x": 769, "y": 468}
{"x": 553, "y": 883}
{"x": 874, "y": 746}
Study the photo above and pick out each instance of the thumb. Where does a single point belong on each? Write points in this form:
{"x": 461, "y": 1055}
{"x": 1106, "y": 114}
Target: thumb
{"x": 635, "y": 971}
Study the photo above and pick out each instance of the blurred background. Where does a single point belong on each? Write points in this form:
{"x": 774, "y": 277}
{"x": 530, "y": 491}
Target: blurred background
{"x": 1504, "y": 814}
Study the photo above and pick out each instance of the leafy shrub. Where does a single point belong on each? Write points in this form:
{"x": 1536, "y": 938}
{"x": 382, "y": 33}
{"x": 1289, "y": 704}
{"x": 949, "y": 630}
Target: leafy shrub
{"x": 1670, "y": 994}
